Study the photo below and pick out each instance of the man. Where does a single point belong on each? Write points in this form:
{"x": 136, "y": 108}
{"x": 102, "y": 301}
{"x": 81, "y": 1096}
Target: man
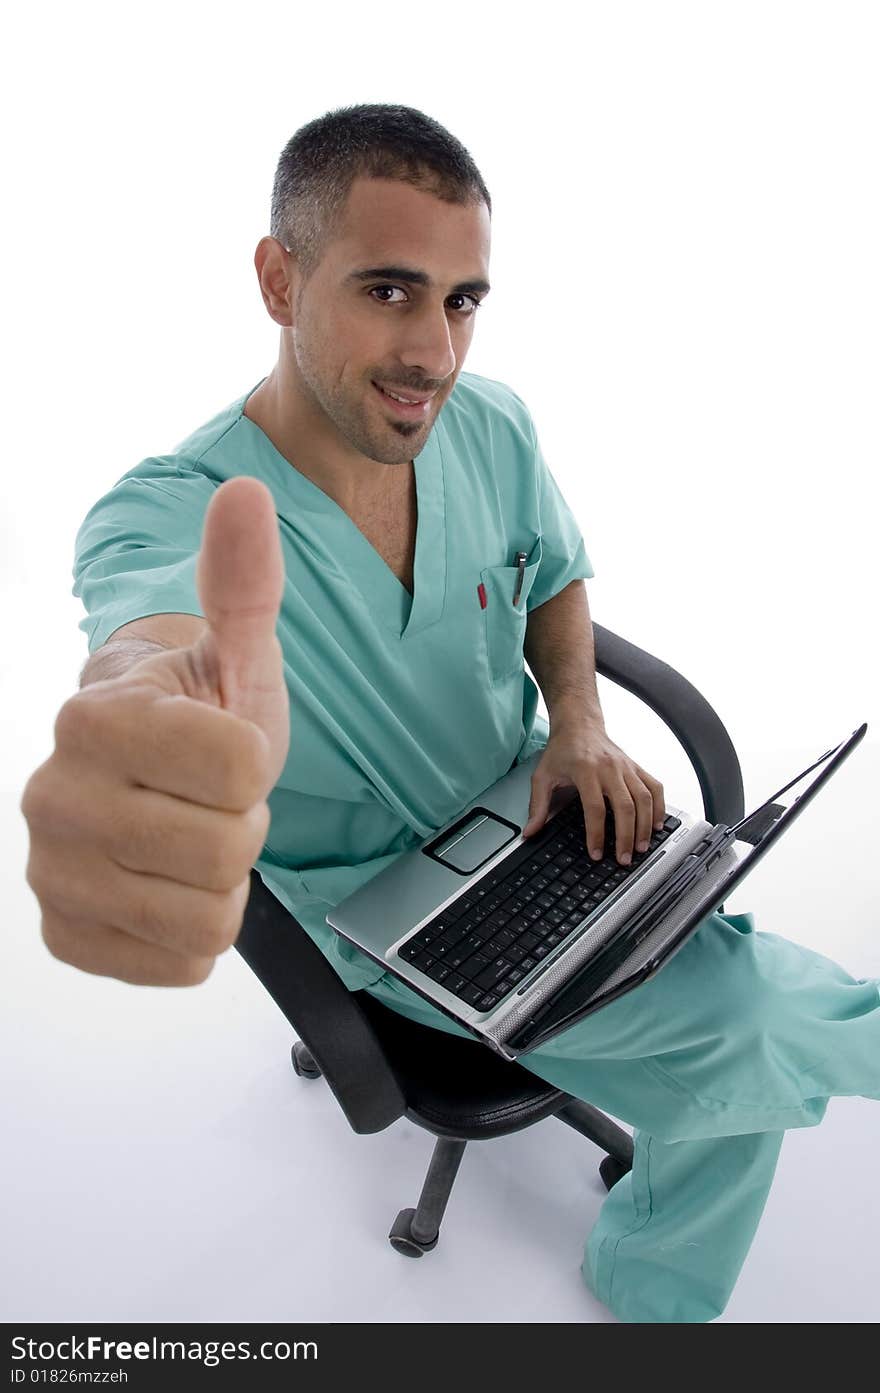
{"x": 333, "y": 646}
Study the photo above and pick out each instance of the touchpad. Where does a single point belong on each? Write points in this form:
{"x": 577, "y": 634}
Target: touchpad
{"x": 474, "y": 840}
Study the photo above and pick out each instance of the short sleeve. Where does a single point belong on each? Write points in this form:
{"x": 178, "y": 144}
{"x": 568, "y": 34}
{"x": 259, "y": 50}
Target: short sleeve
{"x": 137, "y": 549}
{"x": 563, "y": 556}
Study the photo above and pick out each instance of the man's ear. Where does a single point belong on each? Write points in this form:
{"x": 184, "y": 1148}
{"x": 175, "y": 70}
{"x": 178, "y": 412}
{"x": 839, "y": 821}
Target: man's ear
{"x": 278, "y": 275}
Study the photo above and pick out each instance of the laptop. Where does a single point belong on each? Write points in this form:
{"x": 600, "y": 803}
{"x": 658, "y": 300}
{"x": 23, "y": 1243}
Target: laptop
{"x": 517, "y": 939}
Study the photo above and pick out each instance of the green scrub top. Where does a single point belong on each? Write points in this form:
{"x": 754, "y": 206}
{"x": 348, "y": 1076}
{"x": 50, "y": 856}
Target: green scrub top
{"x": 402, "y": 709}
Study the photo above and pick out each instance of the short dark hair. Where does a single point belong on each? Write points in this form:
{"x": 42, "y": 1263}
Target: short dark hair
{"x": 321, "y": 160}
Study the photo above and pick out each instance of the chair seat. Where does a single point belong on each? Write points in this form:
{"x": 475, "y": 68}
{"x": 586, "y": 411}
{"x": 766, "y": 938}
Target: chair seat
{"x": 455, "y": 1087}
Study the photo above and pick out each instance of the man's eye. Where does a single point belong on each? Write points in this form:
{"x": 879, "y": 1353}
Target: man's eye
{"x": 474, "y": 303}
{"x": 378, "y": 288}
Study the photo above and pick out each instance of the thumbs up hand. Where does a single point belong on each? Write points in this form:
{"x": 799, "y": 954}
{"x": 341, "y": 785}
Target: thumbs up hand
{"x": 146, "y": 820}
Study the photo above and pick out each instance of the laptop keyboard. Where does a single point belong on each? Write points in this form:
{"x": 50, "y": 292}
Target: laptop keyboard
{"x": 482, "y": 945}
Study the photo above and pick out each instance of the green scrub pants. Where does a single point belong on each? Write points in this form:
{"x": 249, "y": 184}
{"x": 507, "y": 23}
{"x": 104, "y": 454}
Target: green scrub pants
{"x": 740, "y": 1036}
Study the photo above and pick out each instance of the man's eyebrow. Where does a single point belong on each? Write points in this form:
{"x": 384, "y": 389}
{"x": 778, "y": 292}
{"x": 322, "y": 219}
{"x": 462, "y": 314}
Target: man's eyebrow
{"x": 413, "y": 277}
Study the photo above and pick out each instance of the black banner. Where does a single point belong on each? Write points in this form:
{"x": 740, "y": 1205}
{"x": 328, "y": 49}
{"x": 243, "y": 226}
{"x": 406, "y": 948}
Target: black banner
{"x": 277, "y": 1355}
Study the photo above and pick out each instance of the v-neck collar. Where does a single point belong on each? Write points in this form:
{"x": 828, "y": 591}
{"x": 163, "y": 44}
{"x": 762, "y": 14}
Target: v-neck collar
{"x": 388, "y": 599}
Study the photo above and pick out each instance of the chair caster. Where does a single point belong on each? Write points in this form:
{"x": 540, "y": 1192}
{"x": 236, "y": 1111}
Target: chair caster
{"x": 303, "y": 1063}
{"x": 401, "y": 1236}
{"x": 612, "y": 1170}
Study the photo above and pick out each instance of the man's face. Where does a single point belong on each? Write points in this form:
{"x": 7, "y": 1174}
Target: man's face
{"x": 392, "y": 302}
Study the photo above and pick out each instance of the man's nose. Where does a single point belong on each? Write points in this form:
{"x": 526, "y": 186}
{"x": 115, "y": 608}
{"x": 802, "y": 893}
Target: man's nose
{"x": 428, "y": 345}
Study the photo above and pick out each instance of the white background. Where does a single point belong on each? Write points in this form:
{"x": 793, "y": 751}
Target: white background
{"x": 685, "y": 292}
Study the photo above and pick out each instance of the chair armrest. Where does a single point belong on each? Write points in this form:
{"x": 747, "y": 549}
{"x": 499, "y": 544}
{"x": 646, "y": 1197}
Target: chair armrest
{"x": 322, "y": 1010}
{"x": 688, "y": 715}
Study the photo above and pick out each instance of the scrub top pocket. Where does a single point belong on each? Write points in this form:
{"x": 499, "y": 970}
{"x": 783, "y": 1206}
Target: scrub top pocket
{"x": 505, "y": 623}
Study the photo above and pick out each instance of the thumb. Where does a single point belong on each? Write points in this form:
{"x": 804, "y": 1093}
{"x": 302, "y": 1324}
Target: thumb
{"x": 538, "y": 807}
{"x": 240, "y": 581}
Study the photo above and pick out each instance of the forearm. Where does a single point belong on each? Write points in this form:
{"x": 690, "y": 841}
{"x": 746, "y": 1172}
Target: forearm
{"x": 114, "y": 659}
{"x": 559, "y": 650}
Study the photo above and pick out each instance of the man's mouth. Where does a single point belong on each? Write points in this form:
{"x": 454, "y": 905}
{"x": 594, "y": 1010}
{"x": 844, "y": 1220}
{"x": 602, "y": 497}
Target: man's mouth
{"x": 412, "y": 405}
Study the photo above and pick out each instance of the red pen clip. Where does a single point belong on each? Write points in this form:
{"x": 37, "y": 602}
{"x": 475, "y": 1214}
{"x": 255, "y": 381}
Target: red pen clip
{"x": 481, "y": 591}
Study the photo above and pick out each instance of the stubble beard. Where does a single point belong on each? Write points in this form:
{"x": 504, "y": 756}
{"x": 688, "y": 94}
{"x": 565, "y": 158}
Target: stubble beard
{"x": 396, "y": 443}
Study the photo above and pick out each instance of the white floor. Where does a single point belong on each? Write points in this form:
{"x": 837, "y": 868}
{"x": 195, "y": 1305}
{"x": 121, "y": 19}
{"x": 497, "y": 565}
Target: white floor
{"x": 163, "y": 1163}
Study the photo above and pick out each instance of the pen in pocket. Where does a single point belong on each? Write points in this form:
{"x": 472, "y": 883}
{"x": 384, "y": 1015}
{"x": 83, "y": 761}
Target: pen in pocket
{"x": 520, "y": 564}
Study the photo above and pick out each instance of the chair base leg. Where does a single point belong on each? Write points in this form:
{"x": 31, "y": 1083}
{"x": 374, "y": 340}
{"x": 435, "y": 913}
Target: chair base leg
{"x": 600, "y": 1129}
{"x": 416, "y": 1231}
{"x": 612, "y": 1170}
{"x": 304, "y": 1062}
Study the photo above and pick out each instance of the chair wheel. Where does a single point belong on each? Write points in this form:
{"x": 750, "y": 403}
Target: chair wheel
{"x": 612, "y": 1170}
{"x": 303, "y": 1063}
{"x": 401, "y": 1237}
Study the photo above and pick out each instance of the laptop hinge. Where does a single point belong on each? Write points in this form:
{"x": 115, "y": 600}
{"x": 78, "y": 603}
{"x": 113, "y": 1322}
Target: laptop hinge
{"x": 756, "y": 827}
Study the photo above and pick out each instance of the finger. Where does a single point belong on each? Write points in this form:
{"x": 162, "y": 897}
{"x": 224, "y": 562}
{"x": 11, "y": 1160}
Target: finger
{"x": 182, "y": 919}
{"x": 595, "y": 817}
{"x": 624, "y": 810}
{"x": 240, "y": 580}
{"x": 109, "y": 952}
{"x": 184, "y": 747}
{"x": 152, "y": 834}
{"x": 644, "y": 805}
{"x": 655, "y": 788}
{"x": 539, "y": 805}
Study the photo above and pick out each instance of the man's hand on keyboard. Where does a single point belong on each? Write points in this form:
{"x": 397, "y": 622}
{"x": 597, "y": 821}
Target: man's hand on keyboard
{"x": 580, "y": 753}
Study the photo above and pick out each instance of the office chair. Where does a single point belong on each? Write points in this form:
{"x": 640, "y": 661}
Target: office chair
{"x": 382, "y": 1066}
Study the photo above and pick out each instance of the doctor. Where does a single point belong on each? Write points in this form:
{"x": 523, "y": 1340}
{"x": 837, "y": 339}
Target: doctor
{"x": 305, "y": 657}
